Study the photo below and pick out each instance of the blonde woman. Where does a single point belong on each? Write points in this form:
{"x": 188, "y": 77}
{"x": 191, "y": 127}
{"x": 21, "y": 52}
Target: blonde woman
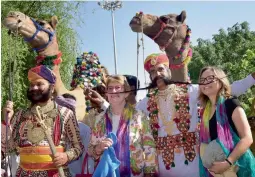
{"x": 225, "y": 124}
{"x": 135, "y": 148}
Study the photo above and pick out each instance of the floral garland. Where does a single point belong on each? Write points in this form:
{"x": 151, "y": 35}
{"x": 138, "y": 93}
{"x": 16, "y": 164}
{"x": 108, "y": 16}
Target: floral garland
{"x": 181, "y": 118}
{"x": 185, "y": 43}
{"x": 185, "y": 61}
{"x": 181, "y": 107}
{"x": 153, "y": 109}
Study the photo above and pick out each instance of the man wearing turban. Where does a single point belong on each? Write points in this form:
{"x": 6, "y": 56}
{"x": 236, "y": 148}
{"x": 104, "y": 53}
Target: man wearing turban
{"x": 173, "y": 112}
{"x": 27, "y": 137}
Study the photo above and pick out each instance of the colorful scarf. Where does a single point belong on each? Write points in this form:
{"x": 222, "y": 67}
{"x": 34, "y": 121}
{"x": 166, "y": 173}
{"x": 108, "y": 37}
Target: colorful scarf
{"x": 58, "y": 127}
{"x": 66, "y": 102}
{"x": 122, "y": 147}
{"x": 227, "y": 139}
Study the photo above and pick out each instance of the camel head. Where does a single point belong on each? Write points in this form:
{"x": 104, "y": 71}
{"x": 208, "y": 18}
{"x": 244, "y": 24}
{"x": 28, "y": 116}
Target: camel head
{"x": 40, "y": 34}
{"x": 164, "y": 30}
{"x": 172, "y": 35}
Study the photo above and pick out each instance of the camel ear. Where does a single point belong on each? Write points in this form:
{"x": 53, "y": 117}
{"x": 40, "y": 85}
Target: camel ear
{"x": 54, "y": 22}
{"x": 182, "y": 16}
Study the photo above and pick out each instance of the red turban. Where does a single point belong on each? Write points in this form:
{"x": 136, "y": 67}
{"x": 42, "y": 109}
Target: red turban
{"x": 155, "y": 59}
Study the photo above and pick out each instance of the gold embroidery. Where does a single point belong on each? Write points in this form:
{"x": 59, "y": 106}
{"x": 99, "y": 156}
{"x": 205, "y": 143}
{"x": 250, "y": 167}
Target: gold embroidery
{"x": 168, "y": 95}
{"x": 35, "y": 133}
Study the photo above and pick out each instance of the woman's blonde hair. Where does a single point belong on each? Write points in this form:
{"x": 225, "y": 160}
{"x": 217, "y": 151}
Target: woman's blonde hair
{"x": 119, "y": 79}
{"x": 225, "y": 89}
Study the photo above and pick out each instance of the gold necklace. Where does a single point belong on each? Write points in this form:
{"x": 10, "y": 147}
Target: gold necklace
{"x": 169, "y": 95}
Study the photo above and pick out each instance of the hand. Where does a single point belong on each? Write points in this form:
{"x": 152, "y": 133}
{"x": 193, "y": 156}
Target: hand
{"x": 60, "y": 158}
{"x": 104, "y": 144}
{"x": 8, "y": 111}
{"x": 93, "y": 96}
{"x": 219, "y": 167}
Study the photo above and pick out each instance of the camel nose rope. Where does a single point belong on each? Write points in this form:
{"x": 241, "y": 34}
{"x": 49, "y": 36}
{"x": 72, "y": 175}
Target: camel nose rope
{"x": 142, "y": 39}
{"x": 138, "y": 48}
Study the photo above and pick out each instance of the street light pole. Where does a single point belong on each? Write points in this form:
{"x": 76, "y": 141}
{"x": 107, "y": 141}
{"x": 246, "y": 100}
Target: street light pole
{"x": 114, "y": 43}
{"x": 112, "y": 6}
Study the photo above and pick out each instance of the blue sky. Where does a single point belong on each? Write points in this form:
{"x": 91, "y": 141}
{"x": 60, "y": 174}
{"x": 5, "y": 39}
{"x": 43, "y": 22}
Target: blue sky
{"x": 204, "y": 19}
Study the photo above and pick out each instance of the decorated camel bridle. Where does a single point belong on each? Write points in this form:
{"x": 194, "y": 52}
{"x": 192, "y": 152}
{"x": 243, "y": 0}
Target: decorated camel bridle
{"x": 38, "y": 29}
{"x": 163, "y": 26}
{"x": 184, "y": 46}
{"x": 49, "y": 61}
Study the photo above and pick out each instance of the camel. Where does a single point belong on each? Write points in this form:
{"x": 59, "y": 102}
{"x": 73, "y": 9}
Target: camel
{"x": 172, "y": 35}
{"x": 41, "y": 36}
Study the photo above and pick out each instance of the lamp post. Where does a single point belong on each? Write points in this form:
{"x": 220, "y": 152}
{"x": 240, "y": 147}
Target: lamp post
{"x": 112, "y": 6}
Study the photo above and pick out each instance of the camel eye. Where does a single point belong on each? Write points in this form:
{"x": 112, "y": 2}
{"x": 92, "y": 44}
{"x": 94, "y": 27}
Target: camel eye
{"x": 41, "y": 23}
{"x": 164, "y": 19}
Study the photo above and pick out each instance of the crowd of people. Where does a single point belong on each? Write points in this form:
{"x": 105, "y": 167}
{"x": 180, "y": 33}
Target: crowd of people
{"x": 177, "y": 130}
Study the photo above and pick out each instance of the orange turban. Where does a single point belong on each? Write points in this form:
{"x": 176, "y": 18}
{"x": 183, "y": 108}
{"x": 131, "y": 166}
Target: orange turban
{"x": 155, "y": 59}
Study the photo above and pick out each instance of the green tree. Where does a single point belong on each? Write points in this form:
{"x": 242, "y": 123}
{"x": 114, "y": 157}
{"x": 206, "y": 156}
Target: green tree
{"x": 16, "y": 48}
{"x": 232, "y": 50}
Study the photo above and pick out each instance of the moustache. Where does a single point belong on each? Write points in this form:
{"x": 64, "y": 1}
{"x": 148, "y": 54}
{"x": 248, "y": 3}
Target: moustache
{"x": 154, "y": 81}
{"x": 159, "y": 77}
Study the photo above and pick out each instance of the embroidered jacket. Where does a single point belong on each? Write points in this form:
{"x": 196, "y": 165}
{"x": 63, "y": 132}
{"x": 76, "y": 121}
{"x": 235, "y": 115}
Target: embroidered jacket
{"x": 143, "y": 158}
{"x": 19, "y": 133}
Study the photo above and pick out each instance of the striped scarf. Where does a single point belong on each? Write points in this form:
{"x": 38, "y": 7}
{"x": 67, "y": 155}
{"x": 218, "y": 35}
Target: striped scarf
{"x": 66, "y": 102}
{"x": 227, "y": 139}
{"x": 122, "y": 147}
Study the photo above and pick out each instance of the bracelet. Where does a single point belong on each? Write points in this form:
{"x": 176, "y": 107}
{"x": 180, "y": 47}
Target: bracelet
{"x": 228, "y": 162}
